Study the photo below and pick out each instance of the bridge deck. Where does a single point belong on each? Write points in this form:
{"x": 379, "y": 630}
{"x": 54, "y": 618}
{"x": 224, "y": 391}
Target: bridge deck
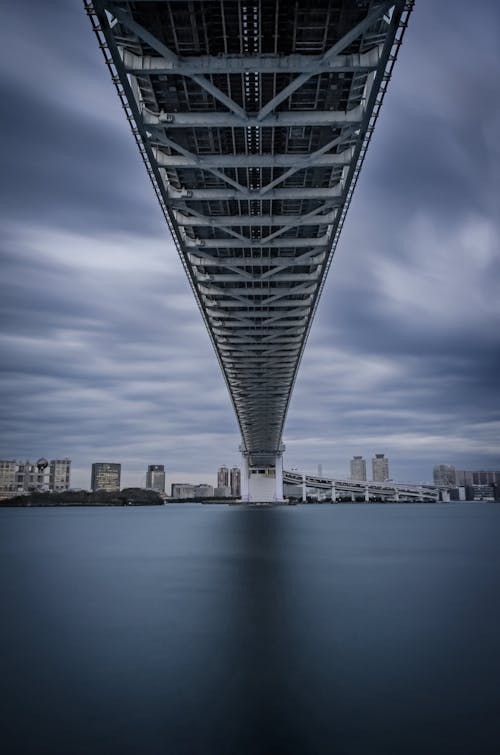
{"x": 253, "y": 118}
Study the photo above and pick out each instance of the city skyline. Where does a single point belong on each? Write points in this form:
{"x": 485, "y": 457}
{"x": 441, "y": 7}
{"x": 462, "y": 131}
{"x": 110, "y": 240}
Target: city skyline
{"x": 55, "y": 475}
{"x": 403, "y": 352}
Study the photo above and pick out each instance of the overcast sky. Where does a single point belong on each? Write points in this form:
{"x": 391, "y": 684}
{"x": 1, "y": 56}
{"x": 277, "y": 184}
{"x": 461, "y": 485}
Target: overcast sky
{"x": 104, "y": 355}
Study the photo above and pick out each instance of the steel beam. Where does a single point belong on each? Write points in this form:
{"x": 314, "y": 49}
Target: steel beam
{"x": 147, "y": 65}
{"x": 252, "y": 161}
{"x": 183, "y": 119}
{"x": 257, "y": 220}
{"x": 294, "y": 243}
{"x": 215, "y": 195}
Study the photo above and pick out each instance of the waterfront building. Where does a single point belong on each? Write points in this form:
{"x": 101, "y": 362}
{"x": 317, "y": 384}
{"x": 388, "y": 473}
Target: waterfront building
{"x": 31, "y": 477}
{"x": 485, "y": 477}
{"x": 380, "y": 468}
{"x": 444, "y": 475}
{"x": 463, "y": 477}
{"x": 8, "y": 478}
{"x": 106, "y": 476}
{"x": 182, "y": 490}
{"x": 358, "y": 468}
{"x": 222, "y": 491}
{"x": 59, "y": 475}
{"x": 18, "y": 477}
{"x": 155, "y": 478}
{"x": 483, "y": 492}
{"x": 223, "y": 477}
{"x": 203, "y": 490}
{"x": 235, "y": 482}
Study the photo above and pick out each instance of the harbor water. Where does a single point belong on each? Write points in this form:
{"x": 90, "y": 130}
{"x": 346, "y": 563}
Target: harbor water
{"x": 193, "y": 629}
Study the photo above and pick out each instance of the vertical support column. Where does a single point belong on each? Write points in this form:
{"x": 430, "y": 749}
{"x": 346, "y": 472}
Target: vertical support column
{"x": 244, "y": 476}
{"x": 278, "y": 489}
{"x": 334, "y": 492}
{"x": 367, "y": 494}
{"x": 262, "y": 483}
{"x": 304, "y": 489}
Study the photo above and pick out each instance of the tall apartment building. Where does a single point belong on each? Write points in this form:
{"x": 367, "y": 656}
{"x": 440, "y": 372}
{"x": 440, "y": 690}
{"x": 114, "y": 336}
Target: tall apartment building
{"x": 33, "y": 477}
{"x": 8, "y": 471}
{"x": 235, "y": 482}
{"x": 155, "y": 478}
{"x": 223, "y": 478}
{"x": 380, "y": 468}
{"x": 41, "y": 476}
{"x": 59, "y": 475}
{"x": 444, "y": 474}
{"x": 358, "y": 468}
{"x": 106, "y": 476}
{"x": 477, "y": 477}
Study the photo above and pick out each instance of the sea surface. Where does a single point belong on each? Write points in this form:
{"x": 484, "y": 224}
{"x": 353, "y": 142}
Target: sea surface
{"x": 193, "y": 629}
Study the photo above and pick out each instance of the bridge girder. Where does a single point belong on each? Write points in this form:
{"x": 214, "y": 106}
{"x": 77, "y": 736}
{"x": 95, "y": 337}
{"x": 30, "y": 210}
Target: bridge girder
{"x": 253, "y": 121}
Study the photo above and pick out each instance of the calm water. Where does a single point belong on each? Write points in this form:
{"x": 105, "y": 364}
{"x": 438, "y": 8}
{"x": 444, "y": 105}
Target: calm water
{"x": 211, "y": 629}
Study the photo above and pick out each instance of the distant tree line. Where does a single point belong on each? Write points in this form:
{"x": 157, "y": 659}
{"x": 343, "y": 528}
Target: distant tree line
{"x": 127, "y": 496}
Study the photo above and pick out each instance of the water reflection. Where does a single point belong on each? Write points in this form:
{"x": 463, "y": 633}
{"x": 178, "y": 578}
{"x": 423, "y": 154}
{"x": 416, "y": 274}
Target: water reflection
{"x": 198, "y": 629}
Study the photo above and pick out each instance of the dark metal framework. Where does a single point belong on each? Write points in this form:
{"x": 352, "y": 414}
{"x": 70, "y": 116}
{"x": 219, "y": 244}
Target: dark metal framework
{"x": 253, "y": 118}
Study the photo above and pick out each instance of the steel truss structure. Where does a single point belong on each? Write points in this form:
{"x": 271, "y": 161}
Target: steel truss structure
{"x": 253, "y": 118}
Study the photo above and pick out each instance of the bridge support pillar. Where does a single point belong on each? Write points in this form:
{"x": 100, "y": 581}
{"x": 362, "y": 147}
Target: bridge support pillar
{"x": 262, "y": 484}
{"x": 367, "y": 494}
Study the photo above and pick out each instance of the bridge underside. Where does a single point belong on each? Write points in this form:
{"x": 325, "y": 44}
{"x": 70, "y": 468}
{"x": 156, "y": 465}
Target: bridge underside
{"x": 253, "y": 118}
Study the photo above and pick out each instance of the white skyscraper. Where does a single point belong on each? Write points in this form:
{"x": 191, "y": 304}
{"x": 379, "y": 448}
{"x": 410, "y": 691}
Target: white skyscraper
{"x": 155, "y": 478}
{"x": 8, "y": 471}
{"x": 106, "y": 476}
{"x": 59, "y": 475}
{"x": 235, "y": 482}
{"x": 444, "y": 474}
{"x": 358, "y": 468}
{"x": 380, "y": 468}
{"x": 223, "y": 477}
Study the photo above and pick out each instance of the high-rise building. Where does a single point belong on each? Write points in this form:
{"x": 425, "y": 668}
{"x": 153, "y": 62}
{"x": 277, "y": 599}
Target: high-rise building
{"x": 33, "y": 477}
{"x": 358, "y": 468}
{"x": 380, "y": 468}
{"x": 41, "y": 476}
{"x": 444, "y": 474}
{"x": 155, "y": 478}
{"x": 223, "y": 477}
{"x": 447, "y": 476}
{"x": 463, "y": 477}
{"x": 8, "y": 485}
{"x": 236, "y": 482}
{"x": 106, "y": 476}
{"x": 59, "y": 475}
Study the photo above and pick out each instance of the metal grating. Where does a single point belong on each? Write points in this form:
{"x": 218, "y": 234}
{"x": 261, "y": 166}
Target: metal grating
{"x": 253, "y": 118}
